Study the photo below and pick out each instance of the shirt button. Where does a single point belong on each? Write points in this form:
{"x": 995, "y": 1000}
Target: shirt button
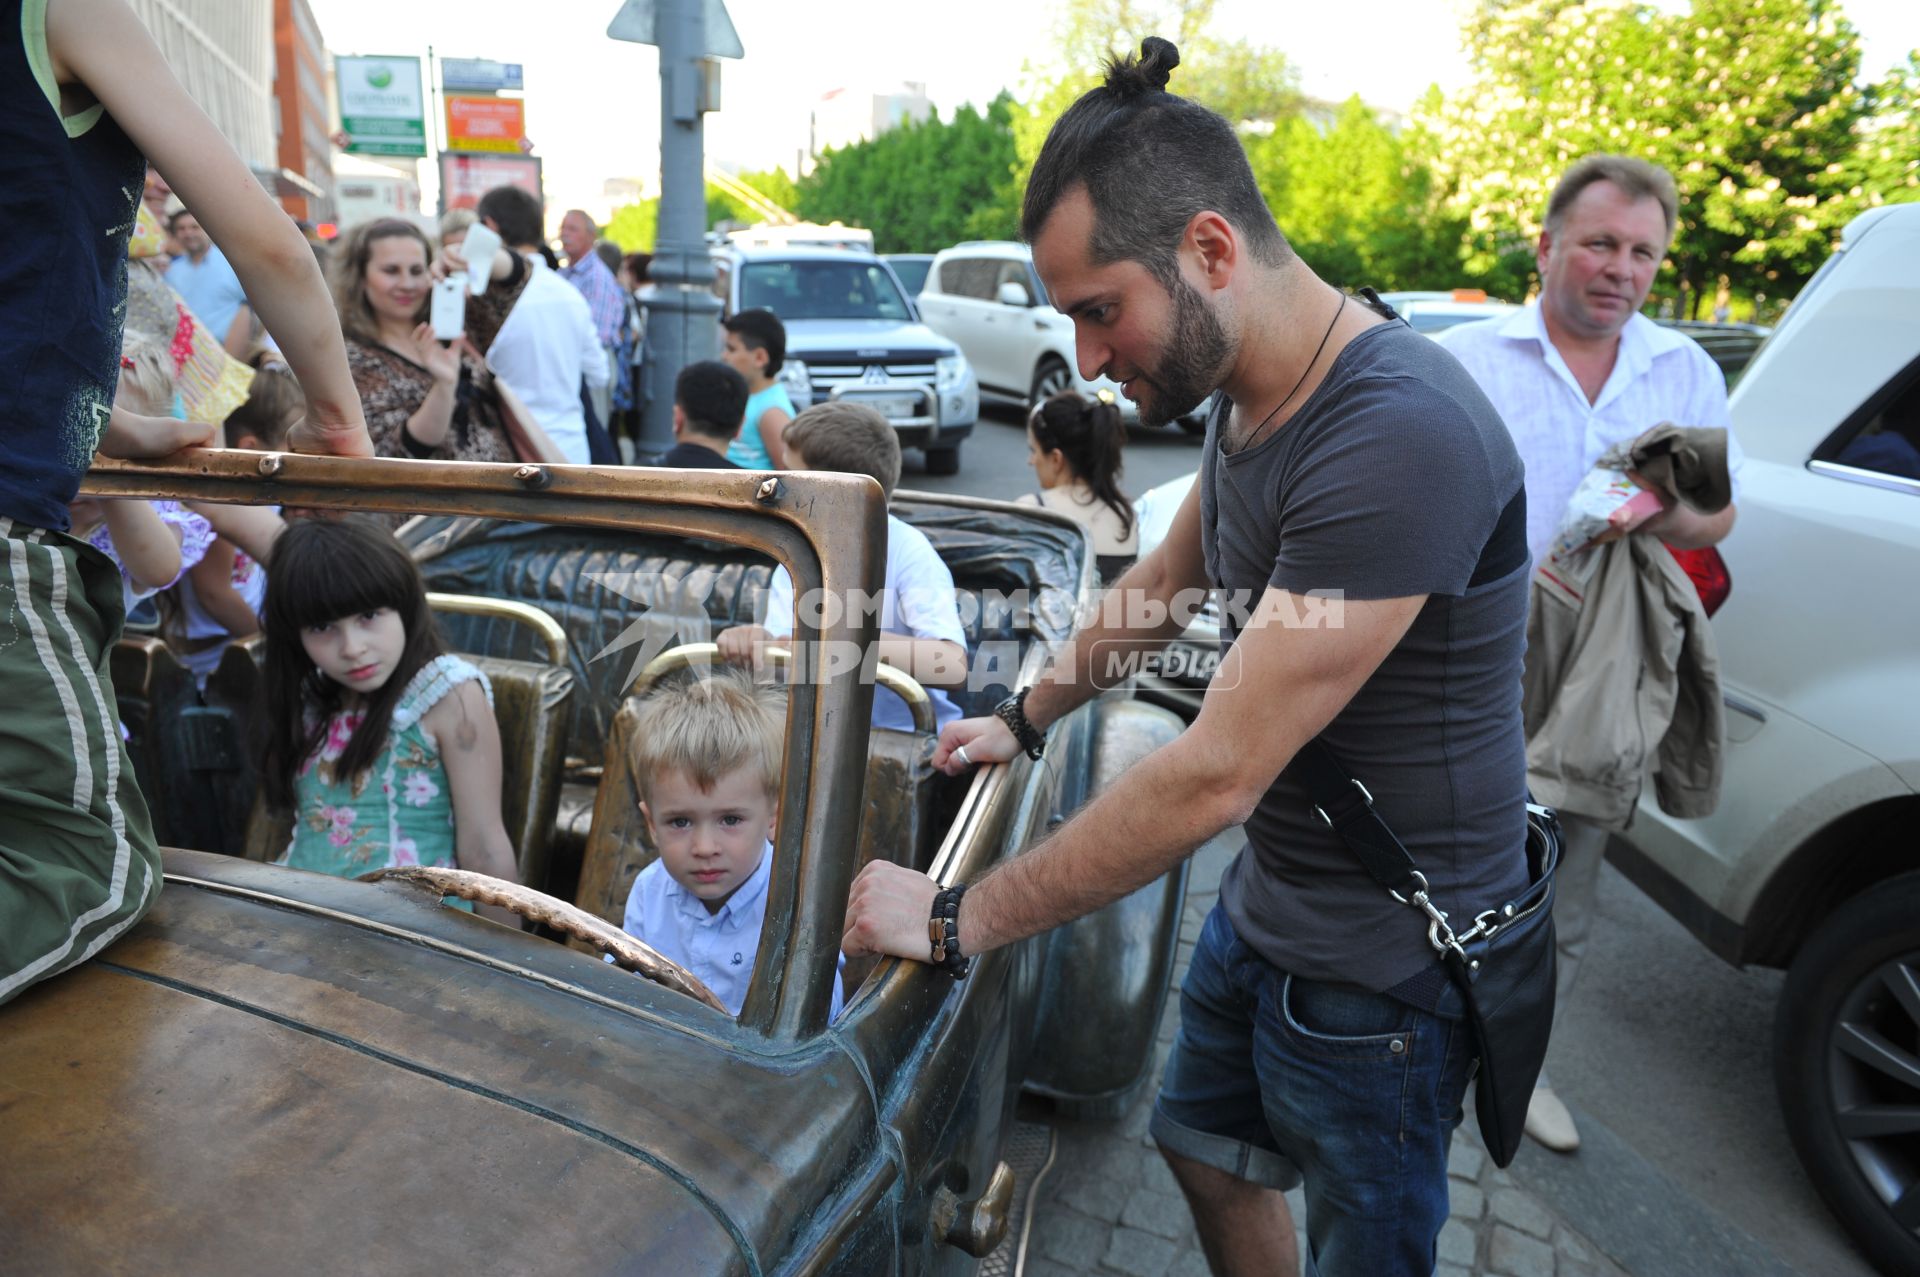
{"x": 1397, "y": 1046}
{"x": 737, "y": 959}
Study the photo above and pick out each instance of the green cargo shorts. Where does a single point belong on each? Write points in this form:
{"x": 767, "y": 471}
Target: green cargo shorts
{"x": 78, "y": 865}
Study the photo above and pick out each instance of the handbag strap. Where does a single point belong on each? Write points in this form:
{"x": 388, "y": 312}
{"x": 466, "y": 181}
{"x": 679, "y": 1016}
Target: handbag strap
{"x": 1347, "y": 808}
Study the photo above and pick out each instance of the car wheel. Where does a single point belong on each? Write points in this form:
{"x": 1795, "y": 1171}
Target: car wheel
{"x": 1846, "y": 1049}
{"x": 943, "y": 461}
{"x": 1052, "y": 377}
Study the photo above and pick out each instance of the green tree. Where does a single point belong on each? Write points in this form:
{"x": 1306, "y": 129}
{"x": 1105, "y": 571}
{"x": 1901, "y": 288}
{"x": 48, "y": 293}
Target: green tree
{"x": 1358, "y": 202}
{"x": 922, "y": 186}
{"x": 634, "y": 227}
{"x": 1750, "y": 104}
{"x": 1888, "y": 164}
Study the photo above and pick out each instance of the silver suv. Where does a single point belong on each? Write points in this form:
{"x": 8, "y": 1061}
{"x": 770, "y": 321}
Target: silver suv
{"x": 1812, "y": 860}
{"x": 986, "y": 296}
{"x": 852, "y": 333}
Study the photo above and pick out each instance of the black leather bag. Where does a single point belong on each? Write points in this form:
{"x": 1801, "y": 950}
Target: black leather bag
{"x": 1502, "y": 965}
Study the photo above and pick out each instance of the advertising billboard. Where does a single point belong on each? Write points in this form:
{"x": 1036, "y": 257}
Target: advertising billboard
{"x": 382, "y": 108}
{"x": 479, "y": 75}
{"x": 486, "y": 124}
{"x": 465, "y": 178}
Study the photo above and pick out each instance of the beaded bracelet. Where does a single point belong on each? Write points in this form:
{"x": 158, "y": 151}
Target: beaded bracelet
{"x": 943, "y": 929}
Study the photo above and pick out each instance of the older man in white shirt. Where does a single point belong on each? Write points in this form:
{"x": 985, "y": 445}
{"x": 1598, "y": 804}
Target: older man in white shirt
{"x": 547, "y": 348}
{"x": 1572, "y": 376}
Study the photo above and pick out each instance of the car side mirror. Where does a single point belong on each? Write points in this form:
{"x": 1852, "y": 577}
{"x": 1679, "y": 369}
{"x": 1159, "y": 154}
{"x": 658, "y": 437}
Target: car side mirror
{"x": 1014, "y": 293}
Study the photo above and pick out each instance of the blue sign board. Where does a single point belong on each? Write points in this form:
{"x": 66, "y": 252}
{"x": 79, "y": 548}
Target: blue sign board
{"x": 478, "y": 75}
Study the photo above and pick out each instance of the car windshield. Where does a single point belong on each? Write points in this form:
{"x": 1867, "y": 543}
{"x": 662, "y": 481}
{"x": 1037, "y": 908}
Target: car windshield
{"x": 912, "y": 273}
{"x": 850, "y": 289}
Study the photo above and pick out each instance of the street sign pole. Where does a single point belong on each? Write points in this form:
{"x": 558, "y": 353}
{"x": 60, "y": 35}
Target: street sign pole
{"x": 682, "y": 312}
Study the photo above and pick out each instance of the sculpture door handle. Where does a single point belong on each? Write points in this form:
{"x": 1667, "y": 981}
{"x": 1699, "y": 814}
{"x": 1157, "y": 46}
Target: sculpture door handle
{"x": 979, "y": 1226}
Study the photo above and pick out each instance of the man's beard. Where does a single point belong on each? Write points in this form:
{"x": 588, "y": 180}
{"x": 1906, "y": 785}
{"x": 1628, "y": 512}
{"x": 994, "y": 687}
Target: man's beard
{"x": 1196, "y": 358}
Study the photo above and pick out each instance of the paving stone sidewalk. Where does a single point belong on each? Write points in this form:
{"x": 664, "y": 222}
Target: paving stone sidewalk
{"x": 1111, "y": 1207}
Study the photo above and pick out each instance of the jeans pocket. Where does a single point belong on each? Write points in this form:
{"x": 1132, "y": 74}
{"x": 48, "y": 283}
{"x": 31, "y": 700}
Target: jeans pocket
{"x": 1349, "y": 1022}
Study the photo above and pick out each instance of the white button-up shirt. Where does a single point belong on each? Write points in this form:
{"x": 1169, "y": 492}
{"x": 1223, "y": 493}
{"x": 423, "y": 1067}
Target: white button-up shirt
{"x": 544, "y": 349}
{"x": 919, "y": 601}
{"x": 717, "y": 947}
{"x": 1659, "y": 375}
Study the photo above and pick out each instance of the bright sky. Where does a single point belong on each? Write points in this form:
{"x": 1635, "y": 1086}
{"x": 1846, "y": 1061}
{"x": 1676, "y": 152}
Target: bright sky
{"x": 593, "y": 104}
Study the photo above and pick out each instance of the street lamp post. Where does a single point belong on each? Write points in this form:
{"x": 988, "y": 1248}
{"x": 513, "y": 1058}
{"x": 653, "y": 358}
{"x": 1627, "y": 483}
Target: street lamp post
{"x": 682, "y": 312}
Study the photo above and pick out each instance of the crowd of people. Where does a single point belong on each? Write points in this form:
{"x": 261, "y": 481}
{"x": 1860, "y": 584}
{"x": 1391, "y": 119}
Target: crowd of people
{"x": 1346, "y": 452}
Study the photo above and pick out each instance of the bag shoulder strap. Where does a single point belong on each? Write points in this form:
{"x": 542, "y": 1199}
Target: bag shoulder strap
{"x": 1347, "y": 808}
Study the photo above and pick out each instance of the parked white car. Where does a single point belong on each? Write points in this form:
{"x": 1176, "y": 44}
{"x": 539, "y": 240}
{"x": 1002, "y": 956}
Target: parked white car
{"x": 985, "y": 297}
{"x": 853, "y": 334}
{"x": 1812, "y": 860}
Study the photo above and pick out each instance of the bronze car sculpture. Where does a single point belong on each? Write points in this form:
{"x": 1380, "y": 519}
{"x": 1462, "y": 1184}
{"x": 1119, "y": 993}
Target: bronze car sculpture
{"x": 283, "y": 1071}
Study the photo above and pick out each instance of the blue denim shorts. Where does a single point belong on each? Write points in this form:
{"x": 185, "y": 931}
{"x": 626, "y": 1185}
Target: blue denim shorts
{"x": 1279, "y": 1080}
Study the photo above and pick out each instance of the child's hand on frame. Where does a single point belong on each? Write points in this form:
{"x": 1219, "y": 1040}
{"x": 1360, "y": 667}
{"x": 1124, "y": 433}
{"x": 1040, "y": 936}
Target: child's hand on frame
{"x": 131, "y": 436}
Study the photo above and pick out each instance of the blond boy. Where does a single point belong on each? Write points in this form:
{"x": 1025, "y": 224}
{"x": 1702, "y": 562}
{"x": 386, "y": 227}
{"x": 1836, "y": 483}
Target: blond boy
{"x": 706, "y": 760}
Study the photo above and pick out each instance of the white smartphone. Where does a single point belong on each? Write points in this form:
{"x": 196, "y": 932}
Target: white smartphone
{"x": 479, "y": 248}
{"x": 450, "y": 306}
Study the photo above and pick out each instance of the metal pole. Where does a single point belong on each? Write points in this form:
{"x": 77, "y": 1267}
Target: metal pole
{"x": 435, "y": 98}
{"x": 683, "y": 314}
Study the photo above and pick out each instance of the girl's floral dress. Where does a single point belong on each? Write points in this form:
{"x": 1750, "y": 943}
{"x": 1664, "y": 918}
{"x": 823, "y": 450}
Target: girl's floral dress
{"x": 399, "y": 811}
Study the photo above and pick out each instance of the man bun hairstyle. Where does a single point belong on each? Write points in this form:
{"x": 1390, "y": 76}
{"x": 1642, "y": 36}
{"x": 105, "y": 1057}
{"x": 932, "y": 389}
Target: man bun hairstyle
{"x": 1149, "y": 161}
{"x": 1148, "y": 73}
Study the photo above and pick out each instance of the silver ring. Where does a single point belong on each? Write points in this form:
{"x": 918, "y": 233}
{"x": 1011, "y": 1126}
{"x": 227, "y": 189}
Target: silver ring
{"x": 961, "y": 754}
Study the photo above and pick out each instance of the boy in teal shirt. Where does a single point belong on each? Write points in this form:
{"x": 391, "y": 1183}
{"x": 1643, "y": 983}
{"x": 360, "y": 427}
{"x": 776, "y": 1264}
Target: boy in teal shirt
{"x": 755, "y": 347}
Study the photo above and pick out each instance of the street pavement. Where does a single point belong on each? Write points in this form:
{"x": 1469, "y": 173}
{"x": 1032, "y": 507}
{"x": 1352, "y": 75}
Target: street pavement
{"x": 1663, "y": 1053}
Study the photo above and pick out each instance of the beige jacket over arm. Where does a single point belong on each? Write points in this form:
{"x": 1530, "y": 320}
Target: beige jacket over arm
{"x": 1623, "y": 678}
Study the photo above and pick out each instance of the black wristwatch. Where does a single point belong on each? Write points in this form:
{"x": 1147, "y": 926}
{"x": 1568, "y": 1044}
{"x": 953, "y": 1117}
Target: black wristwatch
{"x": 943, "y": 930}
{"x": 1013, "y": 713}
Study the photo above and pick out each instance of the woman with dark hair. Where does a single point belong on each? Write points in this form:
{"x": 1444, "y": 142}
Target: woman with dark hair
{"x": 422, "y": 398}
{"x": 381, "y": 743}
{"x": 1074, "y": 445}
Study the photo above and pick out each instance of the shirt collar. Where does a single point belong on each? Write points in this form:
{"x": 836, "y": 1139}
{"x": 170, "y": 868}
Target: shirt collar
{"x": 1641, "y": 342}
{"x": 749, "y": 896}
{"x": 1640, "y": 334}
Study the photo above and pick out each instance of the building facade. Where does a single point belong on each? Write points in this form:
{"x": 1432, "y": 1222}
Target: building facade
{"x": 222, "y": 51}
{"x": 301, "y": 114}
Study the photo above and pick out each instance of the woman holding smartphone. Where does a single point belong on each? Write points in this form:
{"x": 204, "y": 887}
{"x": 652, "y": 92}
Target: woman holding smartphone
{"x": 423, "y": 398}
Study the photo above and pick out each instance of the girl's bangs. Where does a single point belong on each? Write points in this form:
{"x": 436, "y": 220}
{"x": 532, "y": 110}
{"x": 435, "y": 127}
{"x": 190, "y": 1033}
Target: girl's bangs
{"x": 346, "y": 582}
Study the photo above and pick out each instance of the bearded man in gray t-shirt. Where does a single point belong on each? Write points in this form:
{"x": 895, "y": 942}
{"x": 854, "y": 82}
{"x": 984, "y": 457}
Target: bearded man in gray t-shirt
{"x": 1362, "y": 499}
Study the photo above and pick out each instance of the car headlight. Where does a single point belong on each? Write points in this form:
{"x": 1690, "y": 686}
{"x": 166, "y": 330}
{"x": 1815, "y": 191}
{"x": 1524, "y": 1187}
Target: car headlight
{"x": 793, "y": 375}
{"x": 950, "y": 371}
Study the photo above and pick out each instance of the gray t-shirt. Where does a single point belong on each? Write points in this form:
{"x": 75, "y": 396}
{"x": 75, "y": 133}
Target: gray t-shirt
{"x": 1390, "y": 481}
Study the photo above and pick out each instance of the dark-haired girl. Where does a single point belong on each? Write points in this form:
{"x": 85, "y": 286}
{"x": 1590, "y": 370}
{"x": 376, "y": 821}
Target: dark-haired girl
{"x": 382, "y": 744}
{"x": 1073, "y": 445}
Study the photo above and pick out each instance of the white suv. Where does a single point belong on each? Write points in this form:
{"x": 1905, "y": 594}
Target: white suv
{"x": 1812, "y": 860}
{"x": 986, "y": 297}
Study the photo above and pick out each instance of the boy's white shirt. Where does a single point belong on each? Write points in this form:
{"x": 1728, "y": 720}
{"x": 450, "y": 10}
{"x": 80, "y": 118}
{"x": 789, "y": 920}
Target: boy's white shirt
{"x": 718, "y": 947}
{"x": 918, "y": 601}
